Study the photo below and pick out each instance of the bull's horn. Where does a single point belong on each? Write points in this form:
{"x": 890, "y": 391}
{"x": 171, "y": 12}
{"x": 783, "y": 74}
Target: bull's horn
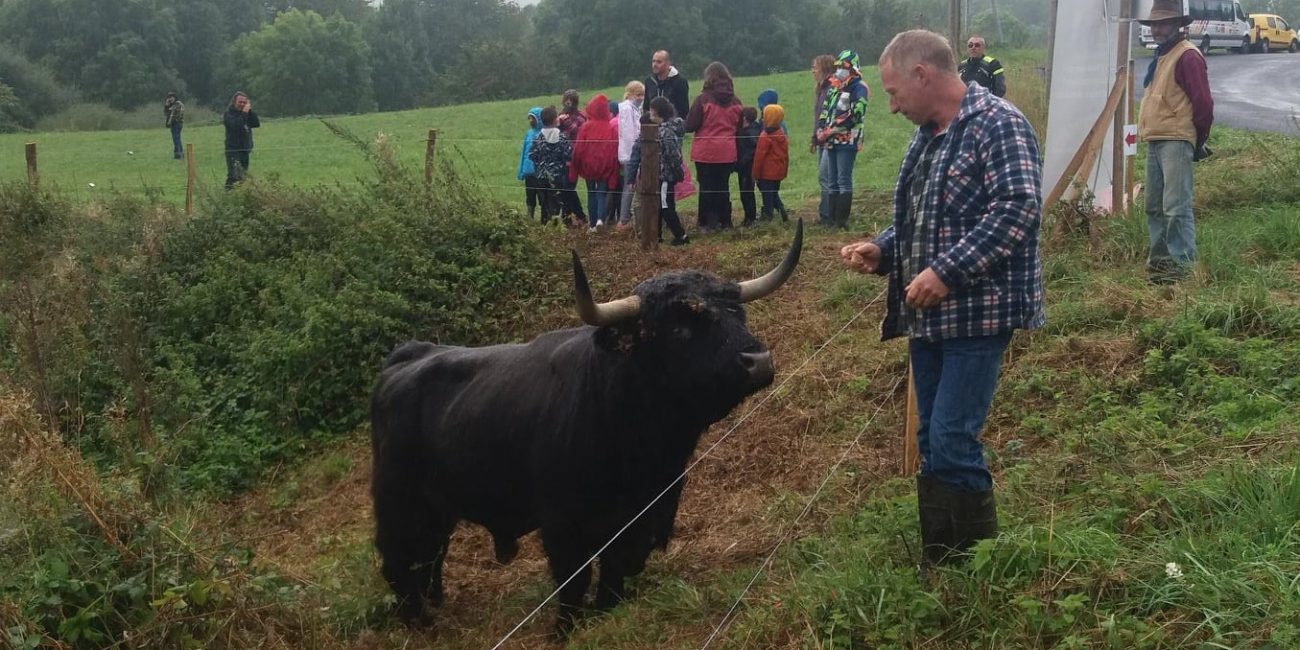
{"x": 759, "y": 287}
{"x": 601, "y": 314}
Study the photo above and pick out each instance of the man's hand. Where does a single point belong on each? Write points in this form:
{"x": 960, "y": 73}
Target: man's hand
{"x": 926, "y": 291}
{"x": 823, "y": 135}
{"x": 863, "y": 257}
{"x": 248, "y": 106}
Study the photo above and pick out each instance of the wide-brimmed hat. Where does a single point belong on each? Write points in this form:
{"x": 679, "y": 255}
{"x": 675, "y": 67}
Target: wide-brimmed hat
{"x": 1163, "y": 10}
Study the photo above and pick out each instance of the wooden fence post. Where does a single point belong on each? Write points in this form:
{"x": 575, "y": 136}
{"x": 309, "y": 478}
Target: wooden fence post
{"x": 430, "y": 145}
{"x": 32, "y": 177}
{"x": 189, "y": 178}
{"x": 648, "y": 188}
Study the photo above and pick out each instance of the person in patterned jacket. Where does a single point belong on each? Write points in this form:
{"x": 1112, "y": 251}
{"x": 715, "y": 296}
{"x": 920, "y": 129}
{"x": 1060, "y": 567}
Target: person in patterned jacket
{"x": 839, "y": 132}
{"x": 964, "y": 272}
{"x": 550, "y": 155}
{"x": 174, "y": 112}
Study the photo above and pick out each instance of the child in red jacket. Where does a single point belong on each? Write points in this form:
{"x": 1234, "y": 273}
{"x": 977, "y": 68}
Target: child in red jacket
{"x": 772, "y": 161}
{"x": 595, "y": 158}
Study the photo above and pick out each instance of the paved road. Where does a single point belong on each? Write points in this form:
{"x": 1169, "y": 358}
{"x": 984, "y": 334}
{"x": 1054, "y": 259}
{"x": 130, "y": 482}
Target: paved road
{"x": 1255, "y": 92}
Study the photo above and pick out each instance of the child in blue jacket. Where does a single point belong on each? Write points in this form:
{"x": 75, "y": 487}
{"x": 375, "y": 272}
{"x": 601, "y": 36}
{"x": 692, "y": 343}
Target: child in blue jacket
{"x": 527, "y": 170}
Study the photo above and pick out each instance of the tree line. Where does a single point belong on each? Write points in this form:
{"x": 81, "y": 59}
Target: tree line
{"x": 348, "y": 56}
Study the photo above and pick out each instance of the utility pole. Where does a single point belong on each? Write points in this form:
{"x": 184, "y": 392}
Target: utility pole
{"x": 954, "y": 25}
{"x": 997, "y": 21}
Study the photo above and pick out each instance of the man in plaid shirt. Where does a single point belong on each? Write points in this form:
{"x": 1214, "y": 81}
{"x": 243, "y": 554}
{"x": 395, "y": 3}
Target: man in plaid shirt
{"x": 964, "y": 271}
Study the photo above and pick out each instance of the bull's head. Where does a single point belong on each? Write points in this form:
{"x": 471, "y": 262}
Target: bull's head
{"x": 687, "y": 328}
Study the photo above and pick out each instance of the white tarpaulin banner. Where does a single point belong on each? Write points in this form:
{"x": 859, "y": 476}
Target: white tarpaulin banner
{"x": 1083, "y": 71}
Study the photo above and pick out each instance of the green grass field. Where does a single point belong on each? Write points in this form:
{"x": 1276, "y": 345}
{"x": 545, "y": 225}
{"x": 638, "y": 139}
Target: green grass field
{"x": 481, "y": 139}
{"x": 1144, "y": 443}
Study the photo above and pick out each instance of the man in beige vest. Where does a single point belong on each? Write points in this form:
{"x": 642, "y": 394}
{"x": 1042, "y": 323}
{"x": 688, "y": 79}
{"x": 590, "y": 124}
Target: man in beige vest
{"x": 1177, "y": 112}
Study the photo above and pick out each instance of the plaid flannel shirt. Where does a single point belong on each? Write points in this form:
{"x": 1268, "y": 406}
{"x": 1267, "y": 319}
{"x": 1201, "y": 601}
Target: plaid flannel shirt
{"x": 983, "y": 209}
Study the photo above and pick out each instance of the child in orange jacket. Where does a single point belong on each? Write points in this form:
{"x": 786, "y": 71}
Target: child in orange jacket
{"x": 772, "y": 162}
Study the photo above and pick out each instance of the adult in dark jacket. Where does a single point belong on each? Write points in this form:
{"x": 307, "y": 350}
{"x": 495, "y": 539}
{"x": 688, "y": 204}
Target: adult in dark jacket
{"x": 666, "y": 81}
{"x": 240, "y": 120}
{"x": 714, "y": 119}
{"x": 982, "y": 69}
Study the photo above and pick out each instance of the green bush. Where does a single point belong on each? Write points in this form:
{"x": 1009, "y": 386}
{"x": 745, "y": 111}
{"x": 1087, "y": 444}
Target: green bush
{"x": 234, "y": 338}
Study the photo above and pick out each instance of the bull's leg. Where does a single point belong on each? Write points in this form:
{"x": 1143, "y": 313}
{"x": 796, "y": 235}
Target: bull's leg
{"x": 613, "y": 571}
{"x": 403, "y": 536}
{"x": 441, "y": 540}
{"x": 566, "y": 553}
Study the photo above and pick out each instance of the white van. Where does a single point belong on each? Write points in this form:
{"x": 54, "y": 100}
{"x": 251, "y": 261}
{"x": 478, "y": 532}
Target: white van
{"x": 1216, "y": 24}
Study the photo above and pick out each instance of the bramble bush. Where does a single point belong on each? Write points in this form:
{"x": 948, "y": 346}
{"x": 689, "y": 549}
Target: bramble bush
{"x": 209, "y": 348}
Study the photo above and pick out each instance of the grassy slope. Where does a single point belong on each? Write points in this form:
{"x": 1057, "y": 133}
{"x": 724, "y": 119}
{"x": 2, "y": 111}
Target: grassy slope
{"x": 1143, "y": 426}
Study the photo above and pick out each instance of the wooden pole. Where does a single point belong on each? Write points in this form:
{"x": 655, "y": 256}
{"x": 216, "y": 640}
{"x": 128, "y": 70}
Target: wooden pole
{"x": 1051, "y": 47}
{"x": 648, "y": 188}
{"x": 32, "y": 177}
{"x": 1118, "y": 179}
{"x": 954, "y": 25}
{"x": 1132, "y": 119}
{"x": 189, "y": 178}
{"x": 429, "y": 146}
{"x": 911, "y": 453}
{"x": 1087, "y": 149}
{"x": 997, "y": 21}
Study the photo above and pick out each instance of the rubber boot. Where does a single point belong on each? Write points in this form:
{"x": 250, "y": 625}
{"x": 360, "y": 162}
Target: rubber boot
{"x": 952, "y": 520}
{"x": 843, "y": 207}
{"x": 832, "y": 209}
{"x": 532, "y": 212}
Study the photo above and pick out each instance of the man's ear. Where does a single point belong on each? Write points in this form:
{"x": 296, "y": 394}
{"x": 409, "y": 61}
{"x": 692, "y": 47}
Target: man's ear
{"x": 623, "y": 336}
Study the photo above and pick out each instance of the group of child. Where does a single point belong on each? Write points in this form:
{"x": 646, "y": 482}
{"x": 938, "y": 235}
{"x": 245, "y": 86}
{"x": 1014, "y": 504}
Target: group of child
{"x": 601, "y": 145}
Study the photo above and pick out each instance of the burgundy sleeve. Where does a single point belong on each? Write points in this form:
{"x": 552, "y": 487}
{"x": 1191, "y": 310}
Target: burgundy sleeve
{"x": 695, "y": 118}
{"x": 1192, "y": 75}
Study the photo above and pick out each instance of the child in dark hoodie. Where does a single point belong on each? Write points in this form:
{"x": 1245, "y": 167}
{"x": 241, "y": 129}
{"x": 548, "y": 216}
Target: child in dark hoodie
{"x": 550, "y": 155}
{"x": 671, "y": 131}
{"x": 746, "y": 142}
{"x": 527, "y": 170}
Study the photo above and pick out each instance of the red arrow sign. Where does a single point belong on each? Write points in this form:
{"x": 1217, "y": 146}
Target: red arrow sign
{"x": 1130, "y": 139}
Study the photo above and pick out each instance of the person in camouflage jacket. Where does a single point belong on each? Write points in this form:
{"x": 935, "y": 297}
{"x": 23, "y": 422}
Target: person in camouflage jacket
{"x": 550, "y": 155}
{"x": 839, "y": 132}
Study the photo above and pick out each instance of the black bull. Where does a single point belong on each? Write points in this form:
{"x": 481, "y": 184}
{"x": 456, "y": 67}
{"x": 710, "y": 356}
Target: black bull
{"x": 573, "y": 433}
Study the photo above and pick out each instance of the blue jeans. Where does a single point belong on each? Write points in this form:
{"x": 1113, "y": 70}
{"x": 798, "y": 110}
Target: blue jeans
{"x": 955, "y": 380}
{"x": 1169, "y": 205}
{"x": 597, "y": 195}
{"x": 824, "y": 180}
{"x": 839, "y": 167}
{"x": 177, "y": 150}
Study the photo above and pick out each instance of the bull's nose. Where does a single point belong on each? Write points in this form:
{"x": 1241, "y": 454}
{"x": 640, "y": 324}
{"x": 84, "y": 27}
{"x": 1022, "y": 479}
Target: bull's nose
{"x": 758, "y": 365}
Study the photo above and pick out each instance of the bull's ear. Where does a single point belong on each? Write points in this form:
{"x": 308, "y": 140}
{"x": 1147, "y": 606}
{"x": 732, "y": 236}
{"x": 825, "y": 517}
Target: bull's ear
{"x": 623, "y": 336}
